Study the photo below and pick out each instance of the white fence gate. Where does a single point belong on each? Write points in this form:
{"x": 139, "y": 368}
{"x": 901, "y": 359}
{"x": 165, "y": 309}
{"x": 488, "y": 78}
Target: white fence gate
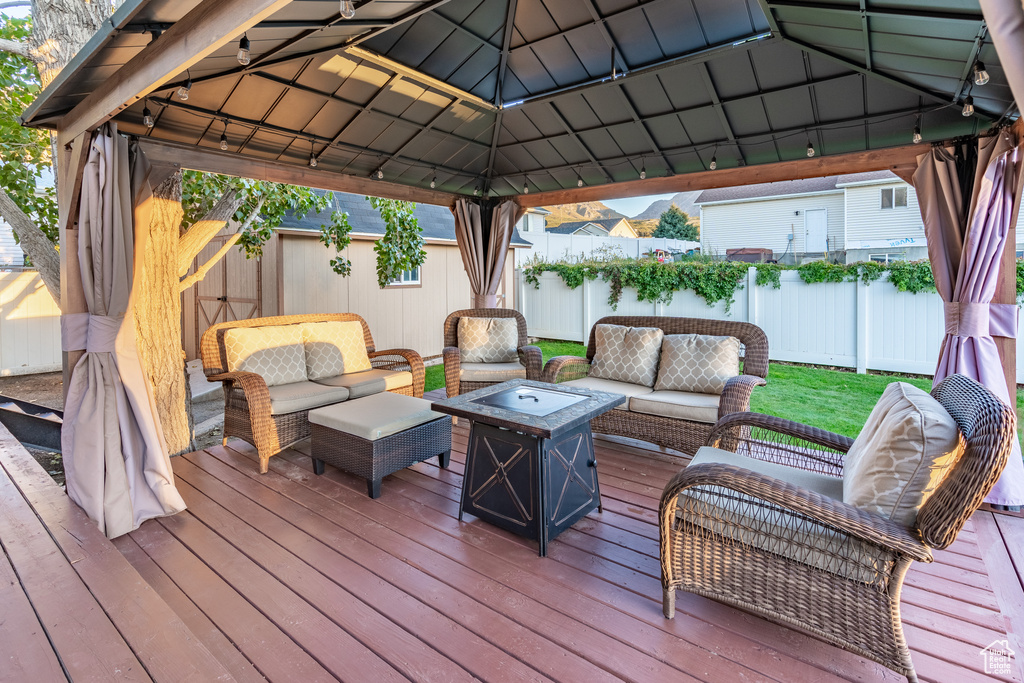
{"x": 552, "y": 247}
{"x": 847, "y": 324}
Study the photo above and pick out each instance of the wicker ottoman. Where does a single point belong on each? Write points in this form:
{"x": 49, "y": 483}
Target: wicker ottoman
{"x": 373, "y": 436}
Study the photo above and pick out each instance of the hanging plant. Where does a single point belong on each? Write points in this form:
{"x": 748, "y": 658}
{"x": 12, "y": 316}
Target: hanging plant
{"x": 401, "y": 247}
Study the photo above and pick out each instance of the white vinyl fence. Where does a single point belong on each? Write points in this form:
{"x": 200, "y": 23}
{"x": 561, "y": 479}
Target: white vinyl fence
{"x": 848, "y": 324}
{"x": 552, "y": 247}
{"x": 29, "y": 325}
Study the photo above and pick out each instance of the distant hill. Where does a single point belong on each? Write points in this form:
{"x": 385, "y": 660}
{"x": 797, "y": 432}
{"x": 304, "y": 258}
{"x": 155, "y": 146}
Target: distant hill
{"x": 586, "y": 211}
{"x": 684, "y": 200}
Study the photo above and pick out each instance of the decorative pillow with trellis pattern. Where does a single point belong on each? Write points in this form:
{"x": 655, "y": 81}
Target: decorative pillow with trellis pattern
{"x": 626, "y": 354}
{"x": 698, "y": 363}
{"x": 274, "y": 352}
{"x": 488, "y": 340}
{"x": 901, "y": 456}
{"x": 334, "y": 348}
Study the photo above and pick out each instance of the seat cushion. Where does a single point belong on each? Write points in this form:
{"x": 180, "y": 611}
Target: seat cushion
{"x": 626, "y": 354}
{"x": 291, "y": 398}
{"x": 611, "y": 386}
{"x": 491, "y": 372}
{"x": 755, "y": 523}
{"x": 374, "y": 417}
{"x": 369, "y": 382}
{"x": 904, "y": 451}
{"x": 274, "y": 352}
{"x": 488, "y": 340}
{"x": 698, "y": 363}
{"x": 334, "y": 348}
{"x": 682, "y": 405}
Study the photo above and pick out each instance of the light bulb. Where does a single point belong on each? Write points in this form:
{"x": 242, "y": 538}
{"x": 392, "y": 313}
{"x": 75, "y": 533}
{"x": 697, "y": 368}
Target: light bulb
{"x": 643, "y": 172}
{"x": 526, "y": 188}
{"x": 224, "y": 141}
{"x": 810, "y": 150}
{"x": 476, "y": 191}
{"x": 579, "y": 181}
{"x": 183, "y": 90}
{"x": 968, "y": 106}
{"x": 243, "y": 51}
{"x": 980, "y": 75}
{"x": 433, "y": 182}
{"x": 380, "y": 173}
{"x": 917, "y": 134}
{"x": 147, "y": 117}
{"x": 714, "y": 163}
{"x": 348, "y": 10}
{"x": 312, "y": 160}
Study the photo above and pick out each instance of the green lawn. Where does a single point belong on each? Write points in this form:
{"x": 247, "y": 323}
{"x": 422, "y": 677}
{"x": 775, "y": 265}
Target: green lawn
{"x": 830, "y": 399}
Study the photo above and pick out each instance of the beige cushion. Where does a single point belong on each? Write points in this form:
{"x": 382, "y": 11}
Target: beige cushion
{"x": 611, "y": 386}
{"x": 291, "y": 398}
{"x": 699, "y": 363}
{"x": 627, "y": 354}
{"x": 752, "y": 522}
{"x": 905, "y": 449}
{"x": 369, "y": 381}
{"x": 491, "y": 372}
{"x": 374, "y": 417}
{"x": 488, "y": 340}
{"x": 334, "y": 348}
{"x": 274, "y": 352}
{"x": 682, "y": 405}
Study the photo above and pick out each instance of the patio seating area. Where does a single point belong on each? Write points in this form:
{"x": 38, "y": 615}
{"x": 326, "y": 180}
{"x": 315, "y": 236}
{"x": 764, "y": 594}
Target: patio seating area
{"x": 289, "y": 574}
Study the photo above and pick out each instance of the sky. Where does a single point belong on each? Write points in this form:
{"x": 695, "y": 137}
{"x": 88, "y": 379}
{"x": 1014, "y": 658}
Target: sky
{"x": 634, "y": 205}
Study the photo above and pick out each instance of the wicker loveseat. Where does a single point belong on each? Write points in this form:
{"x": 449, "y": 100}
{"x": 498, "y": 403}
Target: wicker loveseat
{"x": 461, "y": 377}
{"x": 273, "y": 417}
{"x": 637, "y": 418}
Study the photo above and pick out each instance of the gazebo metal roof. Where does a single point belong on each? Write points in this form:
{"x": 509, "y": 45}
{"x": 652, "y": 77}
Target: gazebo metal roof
{"x": 501, "y": 96}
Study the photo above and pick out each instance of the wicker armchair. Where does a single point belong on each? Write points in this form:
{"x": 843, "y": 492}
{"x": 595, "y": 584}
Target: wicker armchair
{"x": 671, "y": 432}
{"x": 529, "y": 356}
{"x": 247, "y": 413}
{"x": 732, "y": 535}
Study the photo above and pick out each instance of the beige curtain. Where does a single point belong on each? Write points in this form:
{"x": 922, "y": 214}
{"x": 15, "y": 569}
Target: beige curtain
{"x": 114, "y": 452}
{"x": 484, "y": 248}
{"x": 1005, "y": 21}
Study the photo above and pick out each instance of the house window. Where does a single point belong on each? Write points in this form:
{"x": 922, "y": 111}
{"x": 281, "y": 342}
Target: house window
{"x": 887, "y": 258}
{"x": 406, "y": 279}
{"x": 894, "y": 197}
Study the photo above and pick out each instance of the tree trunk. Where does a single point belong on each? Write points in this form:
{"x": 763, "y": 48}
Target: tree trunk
{"x": 59, "y": 30}
{"x": 158, "y": 318}
{"x": 35, "y": 243}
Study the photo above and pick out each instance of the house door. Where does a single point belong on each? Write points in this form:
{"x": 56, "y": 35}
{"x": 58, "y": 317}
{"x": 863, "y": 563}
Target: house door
{"x": 230, "y": 291}
{"x": 816, "y": 230}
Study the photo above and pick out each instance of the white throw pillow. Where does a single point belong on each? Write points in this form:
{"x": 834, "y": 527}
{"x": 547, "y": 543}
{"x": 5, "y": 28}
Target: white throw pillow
{"x": 274, "y": 352}
{"x": 488, "y": 340}
{"x": 334, "y": 348}
{"x": 626, "y": 354}
{"x": 904, "y": 451}
{"x": 697, "y": 363}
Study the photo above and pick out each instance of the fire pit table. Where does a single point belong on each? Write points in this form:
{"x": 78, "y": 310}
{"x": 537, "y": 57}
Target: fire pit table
{"x": 530, "y": 463}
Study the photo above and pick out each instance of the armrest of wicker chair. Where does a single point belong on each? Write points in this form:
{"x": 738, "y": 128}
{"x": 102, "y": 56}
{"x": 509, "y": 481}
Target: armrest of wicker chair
{"x": 736, "y": 394}
{"x": 533, "y": 360}
{"x": 257, "y": 398}
{"x": 564, "y": 368}
{"x": 724, "y": 481}
{"x": 452, "y": 369}
{"x": 390, "y": 359}
{"x": 775, "y": 439}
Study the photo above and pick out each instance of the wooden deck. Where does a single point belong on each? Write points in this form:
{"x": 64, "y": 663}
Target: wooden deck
{"x": 290, "y": 576}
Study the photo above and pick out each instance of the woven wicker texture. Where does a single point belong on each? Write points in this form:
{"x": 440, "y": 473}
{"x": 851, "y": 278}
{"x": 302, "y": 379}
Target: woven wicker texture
{"x": 247, "y": 413}
{"x": 683, "y": 435}
{"x": 748, "y": 540}
{"x": 529, "y": 356}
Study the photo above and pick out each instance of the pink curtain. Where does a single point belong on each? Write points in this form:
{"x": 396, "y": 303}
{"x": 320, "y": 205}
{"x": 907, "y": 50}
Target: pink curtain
{"x": 484, "y": 248}
{"x": 967, "y": 216}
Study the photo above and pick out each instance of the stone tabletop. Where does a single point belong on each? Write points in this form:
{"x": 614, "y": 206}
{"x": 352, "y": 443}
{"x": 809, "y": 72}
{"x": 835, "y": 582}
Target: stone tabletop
{"x": 543, "y": 426}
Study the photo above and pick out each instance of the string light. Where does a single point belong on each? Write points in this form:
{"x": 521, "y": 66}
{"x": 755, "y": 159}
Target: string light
{"x": 147, "y": 116}
{"x": 183, "y": 90}
{"x": 348, "y": 9}
{"x": 476, "y": 191}
{"x": 312, "y": 156}
{"x": 810, "y": 149}
{"x": 224, "y": 137}
{"x": 526, "y": 184}
{"x": 968, "y": 106}
{"x": 579, "y": 179}
{"x": 380, "y": 173}
{"x": 643, "y": 172}
{"x": 714, "y": 162}
{"x": 244, "y": 57}
{"x": 917, "y": 131}
{"x": 980, "y": 75}
{"x": 433, "y": 182}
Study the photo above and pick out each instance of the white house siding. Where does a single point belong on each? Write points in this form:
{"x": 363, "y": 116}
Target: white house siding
{"x": 10, "y": 253}
{"x": 871, "y": 229}
{"x": 766, "y": 223}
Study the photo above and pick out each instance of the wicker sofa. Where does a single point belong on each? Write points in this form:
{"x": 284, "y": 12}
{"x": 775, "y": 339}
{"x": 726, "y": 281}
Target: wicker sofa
{"x": 639, "y": 419}
{"x": 274, "y": 416}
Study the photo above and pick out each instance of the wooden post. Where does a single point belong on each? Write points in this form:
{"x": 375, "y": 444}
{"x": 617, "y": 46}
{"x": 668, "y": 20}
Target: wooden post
{"x": 69, "y": 193}
{"x": 1006, "y": 287}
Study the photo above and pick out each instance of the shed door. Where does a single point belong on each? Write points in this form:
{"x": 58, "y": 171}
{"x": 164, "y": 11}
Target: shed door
{"x": 816, "y": 230}
{"x": 230, "y": 291}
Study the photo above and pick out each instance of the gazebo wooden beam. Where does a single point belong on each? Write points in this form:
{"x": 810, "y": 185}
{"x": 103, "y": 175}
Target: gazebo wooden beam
{"x": 69, "y": 192}
{"x": 899, "y": 160}
{"x": 202, "y": 31}
{"x": 202, "y": 159}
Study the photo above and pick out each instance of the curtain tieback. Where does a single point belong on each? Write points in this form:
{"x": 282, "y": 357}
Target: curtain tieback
{"x": 91, "y": 333}
{"x": 980, "y": 320}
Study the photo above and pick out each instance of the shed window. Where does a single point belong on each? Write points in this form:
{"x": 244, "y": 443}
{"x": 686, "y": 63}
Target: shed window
{"x": 409, "y": 277}
{"x": 894, "y": 197}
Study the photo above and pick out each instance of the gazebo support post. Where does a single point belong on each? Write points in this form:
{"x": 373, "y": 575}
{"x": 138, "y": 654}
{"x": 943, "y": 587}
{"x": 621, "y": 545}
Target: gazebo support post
{"x": 69, "y": 192}
{"x": 1006, "y": 287}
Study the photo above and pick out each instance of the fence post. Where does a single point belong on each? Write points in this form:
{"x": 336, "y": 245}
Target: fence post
{"x": 752, "y": 295}
{"x": 585, "y": 334}
{"x": 862, "y": 326}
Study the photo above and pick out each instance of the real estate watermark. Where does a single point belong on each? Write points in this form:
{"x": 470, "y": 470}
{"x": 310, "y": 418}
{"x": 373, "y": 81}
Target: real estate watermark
{"x": 998, "y": 658}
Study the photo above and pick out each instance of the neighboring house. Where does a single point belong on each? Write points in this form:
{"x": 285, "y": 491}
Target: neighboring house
{"x": 856, "y": 217}
{"x": 10, "y": 253}
{"x": 294, "y": 276}
{"x": 610, "y": 227}
{"x": 533, "y": 220}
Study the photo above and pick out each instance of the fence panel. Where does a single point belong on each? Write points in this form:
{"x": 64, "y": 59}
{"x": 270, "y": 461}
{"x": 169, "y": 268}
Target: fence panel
{"x": 552, "y": 247}
{"x": 29, "y": 325}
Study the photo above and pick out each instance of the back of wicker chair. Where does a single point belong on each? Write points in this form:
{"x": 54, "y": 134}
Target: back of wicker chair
{"x": 846, "y": 589}
{"x": 529, "y": 356}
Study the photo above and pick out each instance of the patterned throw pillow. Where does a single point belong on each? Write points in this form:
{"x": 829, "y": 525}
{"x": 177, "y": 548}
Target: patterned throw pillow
{"x": 274, "y": 352}
{"x": 626, "y": 354}
{"x": 488, "y": 340}
{"x": 698, "y": 363}
{"x": 334, "y": 348}
{"x": 901, "y": 455}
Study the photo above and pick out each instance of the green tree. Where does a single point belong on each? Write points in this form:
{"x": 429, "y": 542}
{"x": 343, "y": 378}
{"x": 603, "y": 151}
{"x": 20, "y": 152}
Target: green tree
{"x": 676, "y": 224}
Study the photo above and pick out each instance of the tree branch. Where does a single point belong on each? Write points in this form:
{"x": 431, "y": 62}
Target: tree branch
{"x": 14, "y": 47}
{"x": 15, "y": 3}
{"x": 205, "y": 268}
{"x": 35, "y": 243}
{"x": 202, "y": 231}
